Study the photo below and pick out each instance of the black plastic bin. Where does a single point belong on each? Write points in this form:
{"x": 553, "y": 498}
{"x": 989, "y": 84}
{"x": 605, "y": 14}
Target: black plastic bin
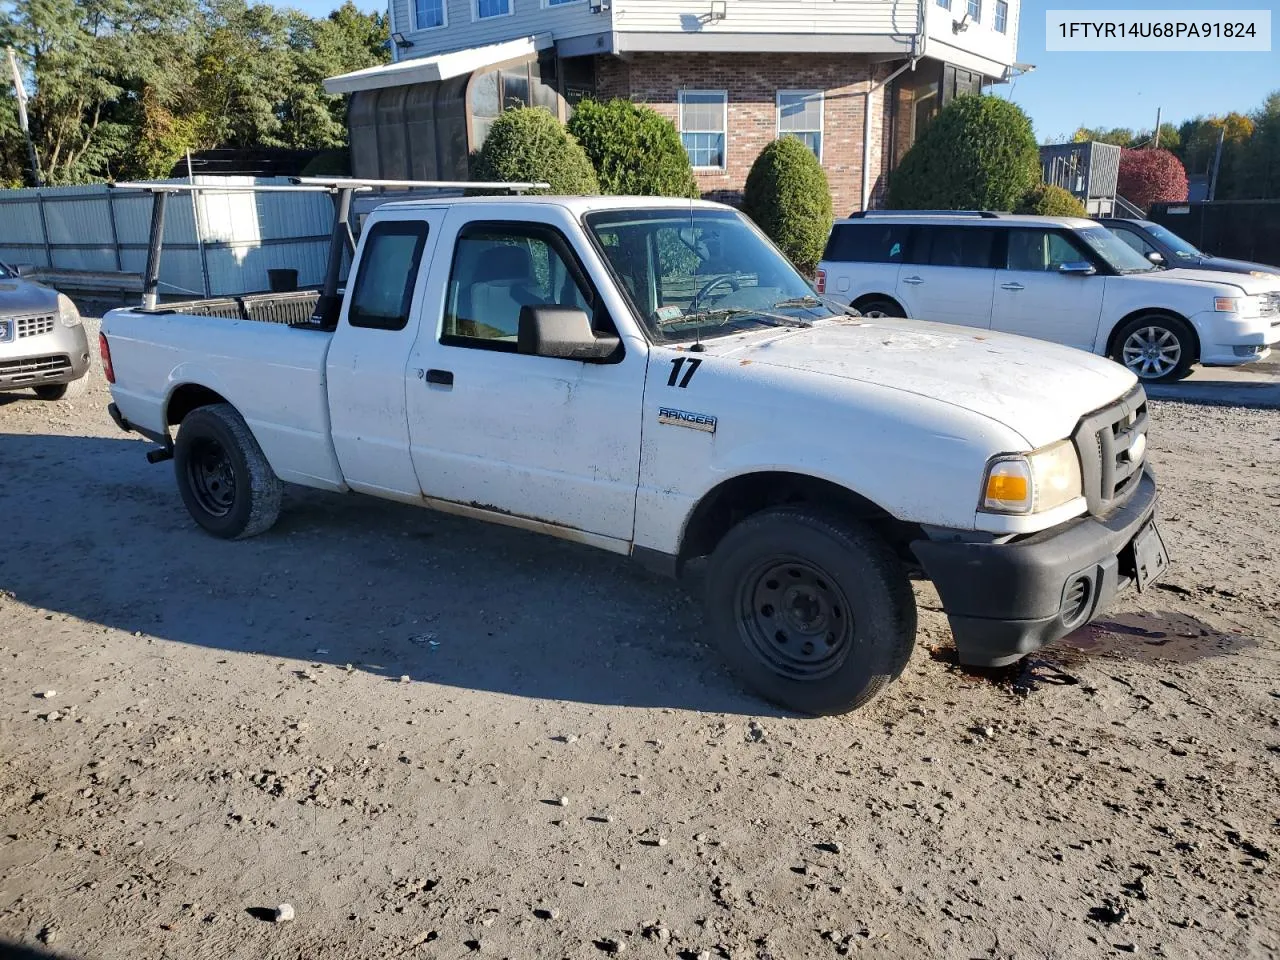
{"x": 282, "y": 280}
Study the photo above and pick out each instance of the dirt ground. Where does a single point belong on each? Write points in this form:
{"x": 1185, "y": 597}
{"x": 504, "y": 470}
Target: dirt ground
{"x": 435, "y": 738}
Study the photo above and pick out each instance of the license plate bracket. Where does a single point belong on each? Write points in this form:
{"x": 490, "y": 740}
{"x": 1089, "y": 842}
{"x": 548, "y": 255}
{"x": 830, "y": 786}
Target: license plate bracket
{"x": 1150, "y": 558}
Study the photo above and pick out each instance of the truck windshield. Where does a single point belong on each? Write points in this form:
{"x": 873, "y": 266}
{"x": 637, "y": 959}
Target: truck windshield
{"x": 695, "y": 273}
{"x": 1119, "y": 255}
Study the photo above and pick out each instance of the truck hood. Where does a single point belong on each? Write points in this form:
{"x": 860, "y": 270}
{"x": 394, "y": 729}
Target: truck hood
{"x": 1248, "y": 284}
{"x": 1038, "y": 389}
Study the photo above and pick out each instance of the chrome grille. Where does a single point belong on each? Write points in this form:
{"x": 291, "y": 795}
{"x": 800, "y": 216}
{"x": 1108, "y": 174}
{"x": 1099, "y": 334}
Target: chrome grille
{"x": 1112, "y": 443}
{"x": 34, "y": 326}
{"x": 1269, "y": 304}
{"x": 33, "y": 368}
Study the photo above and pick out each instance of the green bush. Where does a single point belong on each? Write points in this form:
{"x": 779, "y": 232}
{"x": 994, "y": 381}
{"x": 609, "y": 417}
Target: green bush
{"x": 978, "y": 154}
{"x": 634, "y": 149}
{"x": 529, "y": 144}
{"x": 1047, "y": 200}
{"x": 787, "y": 195}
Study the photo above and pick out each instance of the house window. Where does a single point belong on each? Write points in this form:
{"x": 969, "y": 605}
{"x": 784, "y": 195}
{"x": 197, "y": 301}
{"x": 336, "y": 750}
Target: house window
{"x": 703, "y": 119}
{"x": 1002, "y": 15}
{"x": 428, "y": 14}
{"x": 945, "y": 4}
{"x": 557, "y": 3}
{"x": 800, "y": 115}
{"x": 492, "y": 8}
{"x": 975, "y": 11}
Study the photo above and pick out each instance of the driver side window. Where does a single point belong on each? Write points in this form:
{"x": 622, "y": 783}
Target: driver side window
{"x": 1040, "y": 251}
{"x": 497, "y": 270}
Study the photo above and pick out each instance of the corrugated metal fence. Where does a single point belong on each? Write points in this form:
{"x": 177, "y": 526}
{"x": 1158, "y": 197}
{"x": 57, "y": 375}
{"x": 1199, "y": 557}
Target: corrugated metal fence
{"x": 215, "y": 243}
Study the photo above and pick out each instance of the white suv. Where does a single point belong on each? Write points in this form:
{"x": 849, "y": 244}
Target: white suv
{"x": 1064, "y": 279}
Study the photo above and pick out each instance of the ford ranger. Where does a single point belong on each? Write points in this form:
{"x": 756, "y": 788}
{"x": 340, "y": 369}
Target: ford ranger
{"x": 653, "y": 378}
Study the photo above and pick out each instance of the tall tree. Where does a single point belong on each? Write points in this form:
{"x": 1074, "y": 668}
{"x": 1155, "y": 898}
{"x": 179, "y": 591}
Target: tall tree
{"x": 88, "y": 60}
{"x": 1258, "y": 169}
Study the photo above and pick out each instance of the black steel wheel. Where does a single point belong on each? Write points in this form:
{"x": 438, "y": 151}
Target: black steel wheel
{"x": 811, "y": 609}
{"x": 795, "y": 618}
{"x": 211, "y": 476}
{"x": 225, "y": 480}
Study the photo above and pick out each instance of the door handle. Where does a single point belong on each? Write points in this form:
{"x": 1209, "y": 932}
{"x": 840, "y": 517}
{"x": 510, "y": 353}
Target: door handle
{"x": 443, "y": 377}
{"x": 912, "y": 280}
{"x": 1012, "y": 286}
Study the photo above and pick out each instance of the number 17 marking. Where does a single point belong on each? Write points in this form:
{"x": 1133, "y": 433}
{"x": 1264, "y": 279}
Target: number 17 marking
{"x": 676, "y": 364}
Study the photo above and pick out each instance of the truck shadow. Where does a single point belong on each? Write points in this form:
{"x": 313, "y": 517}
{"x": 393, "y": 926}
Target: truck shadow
{"x": 93, "y": 531}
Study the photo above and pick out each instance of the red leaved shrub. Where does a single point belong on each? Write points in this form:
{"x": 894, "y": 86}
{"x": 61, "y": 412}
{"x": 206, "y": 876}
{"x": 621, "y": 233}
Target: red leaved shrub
{"x": 1151, "y": 176}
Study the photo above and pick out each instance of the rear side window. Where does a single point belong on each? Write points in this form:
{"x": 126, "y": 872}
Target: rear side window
{"x": 954, "y": 246}
{"x": 386, "y": 275}
{"x": 867, "y": 242}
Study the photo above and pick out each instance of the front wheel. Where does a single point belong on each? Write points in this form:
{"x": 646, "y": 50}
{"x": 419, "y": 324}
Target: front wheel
{"x": 1156, "y": 348}
{"x": 225, "y": 480}
{"x": 51, "y": 391}
{"x": 813, "y": 611}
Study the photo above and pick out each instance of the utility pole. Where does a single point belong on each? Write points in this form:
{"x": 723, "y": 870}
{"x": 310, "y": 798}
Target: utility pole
{"x": 1217, "y": 162}
{"x": 20, "y": 91}
{"x": 1156, "y": 139}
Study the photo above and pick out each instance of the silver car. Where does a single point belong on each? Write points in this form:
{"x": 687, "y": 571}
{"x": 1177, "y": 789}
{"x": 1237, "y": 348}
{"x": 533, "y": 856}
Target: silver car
{"x": 42, "y": 341}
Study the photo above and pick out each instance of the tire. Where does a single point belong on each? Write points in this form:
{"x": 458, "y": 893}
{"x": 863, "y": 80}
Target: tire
{"x": 876, "y": 307}
{"x": 225, "y": 481}
{"x": 51, "y": 391}
{"x": 841, "y": 581}
{"x": 1170, "y": 335}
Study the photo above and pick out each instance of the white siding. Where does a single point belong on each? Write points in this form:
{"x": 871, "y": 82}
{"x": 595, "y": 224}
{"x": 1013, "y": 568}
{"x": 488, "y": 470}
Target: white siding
{"x": 528, "y": 18}
{"x": 893, "y": 17}
{"x": 980, "y": 40}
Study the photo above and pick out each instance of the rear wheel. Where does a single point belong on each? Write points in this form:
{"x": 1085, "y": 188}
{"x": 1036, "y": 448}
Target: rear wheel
{"x": 51, "y": 391}
{"x": 1157, "y": 348}
{"x": 225, "y": 480}
{"x": 813, "y": 611}
{"x": 878, "y": 307}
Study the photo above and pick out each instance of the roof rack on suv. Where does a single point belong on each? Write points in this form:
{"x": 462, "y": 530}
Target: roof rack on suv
{"x": 982, "y": 214}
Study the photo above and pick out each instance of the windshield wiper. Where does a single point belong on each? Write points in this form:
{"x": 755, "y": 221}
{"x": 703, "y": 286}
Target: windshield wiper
{"x": 728, "y": 313}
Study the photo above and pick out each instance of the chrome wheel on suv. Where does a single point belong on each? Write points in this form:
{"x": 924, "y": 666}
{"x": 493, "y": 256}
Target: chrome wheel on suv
{"x": 1157, "y": 349}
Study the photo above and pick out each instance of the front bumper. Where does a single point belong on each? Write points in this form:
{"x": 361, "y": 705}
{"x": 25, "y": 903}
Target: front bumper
{"x": 60, "y": 356}
{"x": 1005, "y": 600}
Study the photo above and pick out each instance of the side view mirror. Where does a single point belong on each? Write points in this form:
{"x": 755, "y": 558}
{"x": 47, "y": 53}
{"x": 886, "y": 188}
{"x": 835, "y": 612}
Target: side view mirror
{"x": 1156, "y": 257}
{"x": 562, "y": 332}
{"x": 24, "y": 269}
{"x": 1081, "y": 268}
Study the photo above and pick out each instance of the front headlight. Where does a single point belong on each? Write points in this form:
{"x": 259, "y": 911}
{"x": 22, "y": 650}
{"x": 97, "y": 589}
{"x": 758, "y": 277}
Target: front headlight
{"x": 1262, "y": 274}
{"x": 1247, "y": 307}
{"x": 1032, "y": 482}
{"x": 67, "y": 311}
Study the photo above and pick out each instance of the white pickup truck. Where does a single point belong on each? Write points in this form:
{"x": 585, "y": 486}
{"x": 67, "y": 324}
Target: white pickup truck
{"x": 653, "y": 378}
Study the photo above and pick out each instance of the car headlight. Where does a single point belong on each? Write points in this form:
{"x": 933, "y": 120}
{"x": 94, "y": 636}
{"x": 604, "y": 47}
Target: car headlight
{"x": 1246, "y": 307}
{"x": 1032, "y": 482}
{"x": 67, "y": 311}
{"x": 1262, "y": 274}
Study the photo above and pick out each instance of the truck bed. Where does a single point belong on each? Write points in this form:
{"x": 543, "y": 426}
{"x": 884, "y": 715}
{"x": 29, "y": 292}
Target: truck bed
{"x": 296, "y": 306}
{"x": 273, "y": 374}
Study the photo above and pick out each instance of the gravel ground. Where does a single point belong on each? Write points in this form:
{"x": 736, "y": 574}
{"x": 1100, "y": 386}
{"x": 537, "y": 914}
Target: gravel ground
{"x": 433, "y": 738}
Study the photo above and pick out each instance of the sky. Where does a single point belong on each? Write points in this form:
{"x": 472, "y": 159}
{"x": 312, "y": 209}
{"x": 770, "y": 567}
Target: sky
{"x": 1070, "y": 90}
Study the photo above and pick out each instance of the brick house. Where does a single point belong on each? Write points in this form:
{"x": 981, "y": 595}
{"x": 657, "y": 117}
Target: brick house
{"x": 857, "y": 80}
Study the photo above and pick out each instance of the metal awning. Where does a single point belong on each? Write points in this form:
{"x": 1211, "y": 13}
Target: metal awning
{"x": 439, "y": 66}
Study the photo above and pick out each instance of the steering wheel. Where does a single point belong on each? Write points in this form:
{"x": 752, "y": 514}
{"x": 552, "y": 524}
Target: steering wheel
{"x": 710, "y": 285}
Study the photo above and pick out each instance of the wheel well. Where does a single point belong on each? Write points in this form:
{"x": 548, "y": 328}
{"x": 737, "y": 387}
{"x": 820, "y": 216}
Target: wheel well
{"x": 1114, "y": 336}
{"x": 868, "y": 297}
{"x": 739, "y": 497}
{"x": 188, "y": 397}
